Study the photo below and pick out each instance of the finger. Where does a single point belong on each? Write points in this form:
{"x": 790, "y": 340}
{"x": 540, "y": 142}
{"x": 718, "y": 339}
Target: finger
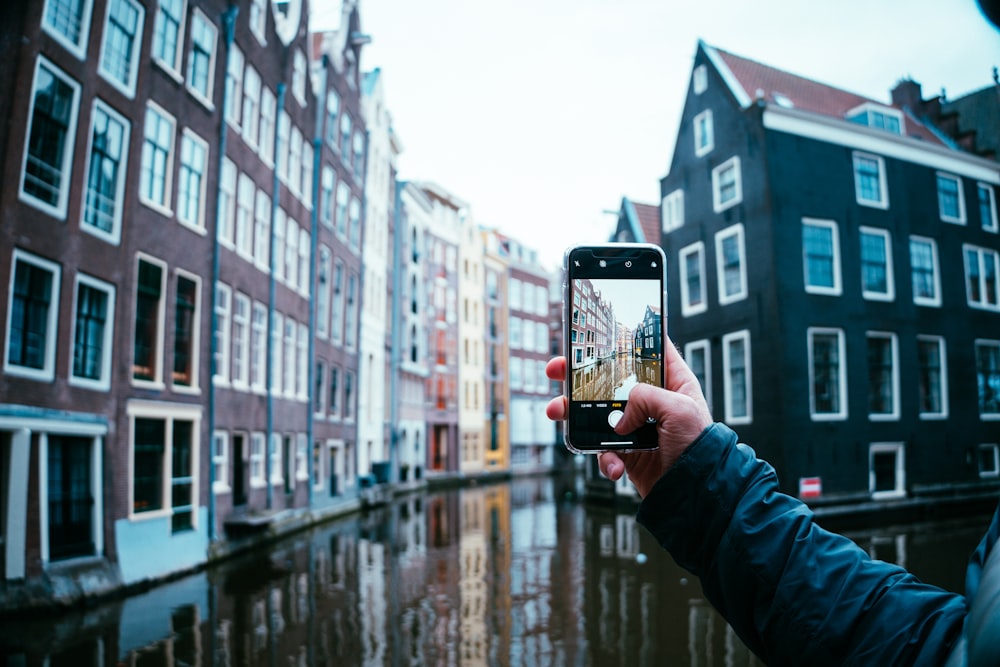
{"x": 556, "y": 368}
{"x": 611, "y": 466}
{"x": 556, "y": 409}
{"x": 645, "y": 400}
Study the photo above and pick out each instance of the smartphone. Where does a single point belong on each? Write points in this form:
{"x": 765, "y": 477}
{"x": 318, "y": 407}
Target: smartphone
{"x": 615, "y": 330}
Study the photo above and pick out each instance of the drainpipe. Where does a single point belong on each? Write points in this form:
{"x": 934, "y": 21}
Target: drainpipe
{"x": 229, "y": 22}
{"x": 396, "y": 347}
{"x": 313, "y": 254}
{"x": 272, "y": 289}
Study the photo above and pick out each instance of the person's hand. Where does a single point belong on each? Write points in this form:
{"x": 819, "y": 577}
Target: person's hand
{"x": 680, "y": 411}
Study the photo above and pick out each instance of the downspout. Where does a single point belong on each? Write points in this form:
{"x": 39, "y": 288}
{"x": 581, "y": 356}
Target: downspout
{"x": 229, "y": 22}
{"x": 313, "y": 253}
{"x": 272, "y": 289}
{"x": 396, "y": 346}
{"x": 361, "y": 278}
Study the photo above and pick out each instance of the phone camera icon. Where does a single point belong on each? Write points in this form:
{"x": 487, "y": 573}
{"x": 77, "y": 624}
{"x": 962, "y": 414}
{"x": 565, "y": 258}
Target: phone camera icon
{"x": 628, "y": 263}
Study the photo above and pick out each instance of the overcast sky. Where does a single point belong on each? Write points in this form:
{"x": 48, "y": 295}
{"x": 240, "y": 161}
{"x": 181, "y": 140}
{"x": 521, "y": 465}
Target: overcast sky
{"x": 542, "y": 114}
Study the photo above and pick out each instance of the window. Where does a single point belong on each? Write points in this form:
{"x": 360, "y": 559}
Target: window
{"x": 731, "y": 268}
{"x": 354, "y": 230}
{"x": 277, "y": 325}
{"x": 337, "y": 315}
{"x": 275, "y": 456}
{"x": 924, "y": 272}
{"x": 305, "y": 241}
{"x": 290, "y": 366}
{"x": 48, "y": 151}
{"x": 307, "y": 174}
{"x": 704, "y": 138}
{"x": 147, "y": 345}
{"x": 933, "y": 377}
{"x": 106, "y": 170}
{"x": 68, "y": 21}
{"x": 882, "y": 118}
{"x": 234, "y": 87}
{"x": 301, "y": 457}
{"x": 736, "y": 377}
{"x": 727, "y": 185}
{"x": 348, "y": 395}
{"x": 294, "y": 171}
{"x": 821, "y": 256}
{"x": 241, "y": 340}
{"x": 267, "y": 116}
{"x": 343, "y": 194}
{"x": 827, "y": 374}
{"x": 164, "y": 471}
{"x": 886, "y": 472}
{"x": 989, "y": 460}
{"x": 280, "y": 229}
{"x": 359, "y": 152}
{"x": 319, "y": 388}
{"x": 351, "y": 319}
{"x": 252, "y": 120}
{"x": 699, "y": 79}
{"x": 335, "y": 392}
{"x": 698, "y": 356}
{"x": 201, "y": 58}
{"x": 982, "y": 273}
{"x": 220, "y": 461}
{"x": 951, "y": 202}
{"x": 345, "y": 137}
{"x": 332, "y": 109}
{"x": 168, "y": 30}
{"x": 302, "y": 363}
{"x": 282, "y": 144}
{"x": 299, "y": 76}
{"x": 257, "y": 472}
{"x": 262, "y": 230}
{"x": 191, "y": 189}
{"x": 157, "y": 158}
{"x": 122, "y": 39}
{"x": 326, "y": 197}
{"x": 692, "y": 267}
{"x": 244, "y": 211}
{"x": 877, "y": 281}
{"x": 869, "y": 181}
{"x": 258, "y": 20}
{"x": 227, "y": 203}
{"x": 672, "y": 211}
{"x": 987, "y": 206}
{"x": 186, "y": 328}
{"x": 223, "y": 311}
{"x": 32, "y": 317}
{"x": 93, "y": 328}
{"x": 258, "y": 347}
{"x": 988, "y": 378}
{"x": 291, "y": 268}
{"x": 883, "y": 376}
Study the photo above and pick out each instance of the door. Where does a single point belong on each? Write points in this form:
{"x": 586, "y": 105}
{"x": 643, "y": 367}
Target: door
{"x": 71, "y": 501}
{"x": 239, "y": 470}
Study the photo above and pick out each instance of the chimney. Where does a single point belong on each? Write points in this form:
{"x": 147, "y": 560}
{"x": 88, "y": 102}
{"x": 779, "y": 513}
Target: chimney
{"x": 907, "y": 93}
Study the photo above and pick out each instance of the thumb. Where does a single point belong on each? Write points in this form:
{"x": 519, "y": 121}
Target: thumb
{"x": 644, "y": 401}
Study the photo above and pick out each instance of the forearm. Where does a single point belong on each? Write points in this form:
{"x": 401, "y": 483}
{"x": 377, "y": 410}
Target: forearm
{"x": 794, "y": 592}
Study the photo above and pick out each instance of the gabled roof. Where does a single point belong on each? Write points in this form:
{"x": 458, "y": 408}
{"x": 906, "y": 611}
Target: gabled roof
{"x": 649, "y": 221}
{"x": 753, "y": 82}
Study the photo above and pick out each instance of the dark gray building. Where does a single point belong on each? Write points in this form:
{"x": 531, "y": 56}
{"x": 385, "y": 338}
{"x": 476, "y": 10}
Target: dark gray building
{"x": 833, "y": 280}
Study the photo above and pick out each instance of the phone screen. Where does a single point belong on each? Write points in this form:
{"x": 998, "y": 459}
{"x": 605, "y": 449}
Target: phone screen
{"x": 615, "y": 335}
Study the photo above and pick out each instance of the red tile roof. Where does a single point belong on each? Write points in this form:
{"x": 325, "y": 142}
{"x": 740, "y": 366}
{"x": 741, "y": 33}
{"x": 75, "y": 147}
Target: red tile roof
{"x": 753, "y": 81}
{"x": 649, "y": 221}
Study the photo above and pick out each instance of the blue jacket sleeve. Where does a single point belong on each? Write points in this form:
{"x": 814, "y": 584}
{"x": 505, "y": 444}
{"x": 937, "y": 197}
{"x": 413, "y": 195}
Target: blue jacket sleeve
{"x": 794, "y": 592}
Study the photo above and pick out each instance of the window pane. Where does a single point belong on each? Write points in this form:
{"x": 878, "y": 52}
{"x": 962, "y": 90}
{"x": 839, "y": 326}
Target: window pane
{"x": 88, "y": 343}
{"x": 52, "y": 111}
{"x": 818, "y": 248}
{"x": 826, "y": 373}
{"x": 150, "y": 449}
{"x": 29, "y": 316}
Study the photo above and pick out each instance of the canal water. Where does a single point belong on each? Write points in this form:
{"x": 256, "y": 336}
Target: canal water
{"x": 520, "y": 573}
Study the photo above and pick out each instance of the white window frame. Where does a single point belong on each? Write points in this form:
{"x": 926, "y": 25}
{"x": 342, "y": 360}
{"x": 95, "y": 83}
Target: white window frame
{"x": 268, "y": 112}
{"x": 194, "y": 387}
{"x": 727, "y": 341}
{"x": 190, "y": 143}
{"x": 172, "y": 68}
{"x": 720, "y": 237}
{"x": 250, "y": 114}
{"x": 262, "y": 230}
{"x": 220, "y": 461}
{"x": 842, "y": 412}
{"x": 935, "y": 300}
{"x": 258, "y": 348}
{"x": 883, "y": 201}
{"x": 240, "y": 357}
{"x": 69, "y": 142}
{"x": 226, "y": 226}
{"x": 243, "y": 229}
{"x": 985, "y": 343}
{"x": 989, "y": 224}
{"x": 277, "y": 349}
{"x": 47, "y": 371}
{"x": 900, "y": 488}
{"x": 837, "y": 288}
{"x": 299, "y": 77}
{"x": 706, "y": 347}
{"x": 235, "y": 64}
{"x": 672, "y": 211}
{"x": 127, "y": 88}
{"x": 114, "y": 235}
{"x": 732, "y": 163}
{"x": 145, "y": 197}
{"x": 687, "y": 308}
{"x": 79, "y": 47}
{"x": 890, "y": 280}
{"x": 258, "y": 458}
{"x": 199, "y": 18}
{"x": 704, "y": 133}
{"x": 699, "y": 79}
{"x": 301, "y": 457}
{"x": 893, "y": 414}
{"x": 258, "y": 20}
{"x": 984, "y": 258}
{"x": 302, "y": 362}
{"x": 157, "y": 382}
{"x": 223, "y": 324}
{"x": 102, "y": 383}
{"x": 995, "y": 450}
{"x": 960, "y": 219}
{"x": 274, "y": 453}
{"x": 941, "y": 344}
